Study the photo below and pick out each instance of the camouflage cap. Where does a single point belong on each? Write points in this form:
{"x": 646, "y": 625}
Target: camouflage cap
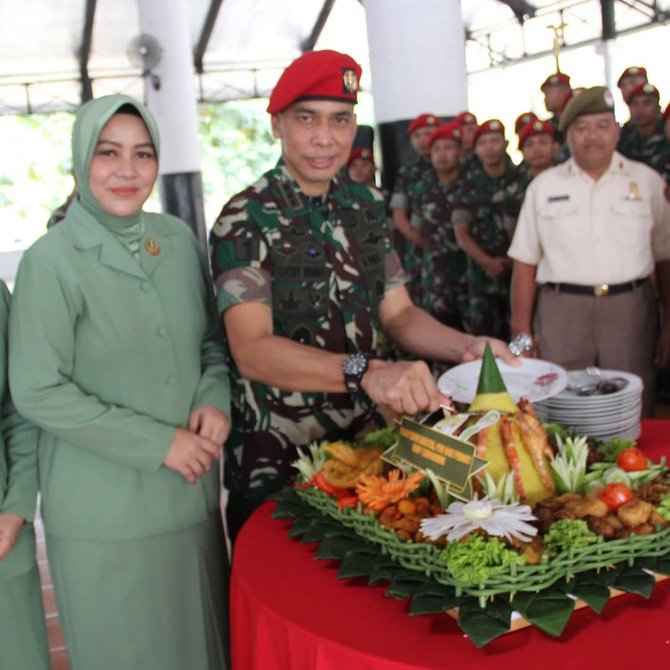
{"x": 423, "y": 121}
{"x": 537, "y": 127}
{"x": 447, "y": 131}
{"x": 594, "y": 100}
{"x": 646, "y": 89}
{"x": 316, "y": 75}
{"x": 632, "y": 71}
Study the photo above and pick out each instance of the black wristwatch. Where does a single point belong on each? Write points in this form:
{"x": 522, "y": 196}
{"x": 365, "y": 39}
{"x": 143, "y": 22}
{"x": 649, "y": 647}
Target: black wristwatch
{"x": 354, "y": 367}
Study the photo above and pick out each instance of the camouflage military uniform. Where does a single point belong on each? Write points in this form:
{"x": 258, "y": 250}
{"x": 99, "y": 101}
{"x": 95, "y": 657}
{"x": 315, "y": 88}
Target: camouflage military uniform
{"x": 482, "y": 200}
{"x": 322, "y": 265}
{"x": 411, "y": 182}
{"x": 652, "y": 150}
{"x": 444, "y": 287}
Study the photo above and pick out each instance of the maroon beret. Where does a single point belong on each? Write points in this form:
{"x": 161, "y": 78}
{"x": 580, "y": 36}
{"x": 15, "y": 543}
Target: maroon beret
{"x": 646, "y": 89}
{"x": 465, "y": 118}
{"x": 536, "y": 127}
{"x": 632, "y": 71}
{"x": 555, "y": 79}
{"x": 666, "y": 113}
{"x": 523, "y": 120}
{"x": 423, "y": 121}
{"x": 316, "y": 75}
{"x": 447, "y": 131}
{"x": 363, "y": 153}
{"x": 490, "y": 126}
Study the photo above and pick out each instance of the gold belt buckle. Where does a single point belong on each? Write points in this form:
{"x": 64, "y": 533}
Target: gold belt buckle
{"x": 601, "y": 290}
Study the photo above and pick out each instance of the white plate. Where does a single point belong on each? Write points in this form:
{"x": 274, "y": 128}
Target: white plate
{"x": 533, "y": 379}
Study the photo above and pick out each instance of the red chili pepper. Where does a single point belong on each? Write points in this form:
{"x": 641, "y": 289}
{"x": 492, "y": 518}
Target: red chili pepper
{"x": 347, "y": 498}
{"x": 321, "y": 482}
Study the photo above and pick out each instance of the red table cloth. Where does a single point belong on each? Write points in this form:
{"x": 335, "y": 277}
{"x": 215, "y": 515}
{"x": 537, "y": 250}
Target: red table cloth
{"x": 289, "y": 611}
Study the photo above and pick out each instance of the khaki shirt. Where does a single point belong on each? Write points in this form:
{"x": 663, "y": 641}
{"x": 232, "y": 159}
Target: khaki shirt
{"x": 581, "y": 231}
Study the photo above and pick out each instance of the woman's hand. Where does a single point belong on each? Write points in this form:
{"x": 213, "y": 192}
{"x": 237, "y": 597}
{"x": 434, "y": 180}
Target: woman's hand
{"x": 191, "y": 455}
{"x": 209, "y": 422}
{"x": 10, "y": 525}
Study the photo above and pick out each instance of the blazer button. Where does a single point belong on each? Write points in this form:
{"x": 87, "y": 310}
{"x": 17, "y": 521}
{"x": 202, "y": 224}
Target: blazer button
{"x": 162, "y": 332}
{"x": 172, "y": 380}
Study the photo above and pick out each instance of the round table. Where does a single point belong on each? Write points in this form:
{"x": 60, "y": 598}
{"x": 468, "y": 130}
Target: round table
{"x": 289, "y": 610}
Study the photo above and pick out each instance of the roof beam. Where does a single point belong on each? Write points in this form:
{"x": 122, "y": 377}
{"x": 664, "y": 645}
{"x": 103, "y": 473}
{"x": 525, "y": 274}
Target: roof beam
{"x": 85, "y": 51}
{"x": 205, "y": 35}
{"x": 309, "y": 43}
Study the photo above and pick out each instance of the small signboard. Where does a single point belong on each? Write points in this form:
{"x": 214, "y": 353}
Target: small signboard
{"x": 451, "y": 460}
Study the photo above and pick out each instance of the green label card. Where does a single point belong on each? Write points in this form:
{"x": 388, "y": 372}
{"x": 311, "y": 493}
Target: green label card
{"x": 451, "y": 459}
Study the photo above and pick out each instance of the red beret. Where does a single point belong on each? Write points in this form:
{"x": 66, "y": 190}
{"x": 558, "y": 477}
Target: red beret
{"x": 646, "y": 89}
{"x": 632, "y": 71}
{"x": 423, "y": 121}
{"x": 447, "y": 131}
{"x": 490, "y": 126}
{"x": 363, "y": 153}
{"x": 316, "y": 75}
{"x": 465, "y": 118}
{"x": 555, "y": 79}
{"x": 536, "y": 127}
{"x": 523, "y": 120}
{"x": 666, "y": 113}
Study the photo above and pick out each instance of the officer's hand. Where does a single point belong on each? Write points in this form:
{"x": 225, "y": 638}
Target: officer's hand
{"x": 407, "y": 387}
{"x": 10, "y": 525}
{"x": 499, "y": 348}
{"x": 191, "y": 455}
{"x": 497, "y": 268}
{"x": 210, "y": 422}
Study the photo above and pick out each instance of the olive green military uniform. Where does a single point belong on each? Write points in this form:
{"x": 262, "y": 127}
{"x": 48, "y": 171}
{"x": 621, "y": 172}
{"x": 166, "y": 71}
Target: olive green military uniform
{"x": 412, "y": 181}
{"x": 482, "y": 202}
{"x": 322, "y": 264}
{"x": 110, "y": 353}
{"x": 23, "y": 638}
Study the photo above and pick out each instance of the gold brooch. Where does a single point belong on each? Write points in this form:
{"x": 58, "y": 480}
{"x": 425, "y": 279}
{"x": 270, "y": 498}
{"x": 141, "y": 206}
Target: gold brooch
{"x": 151, "y": 245}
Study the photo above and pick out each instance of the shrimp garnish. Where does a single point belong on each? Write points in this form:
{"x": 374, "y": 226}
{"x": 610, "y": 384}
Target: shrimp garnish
{"x": 511, "y": 454}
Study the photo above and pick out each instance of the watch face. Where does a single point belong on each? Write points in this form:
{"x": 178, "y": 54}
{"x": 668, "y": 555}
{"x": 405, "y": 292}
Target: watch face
{"x": 354, "y": 368}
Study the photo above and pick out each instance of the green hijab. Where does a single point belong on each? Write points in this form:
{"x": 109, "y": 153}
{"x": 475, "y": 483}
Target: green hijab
{"x": 91, "y": 119}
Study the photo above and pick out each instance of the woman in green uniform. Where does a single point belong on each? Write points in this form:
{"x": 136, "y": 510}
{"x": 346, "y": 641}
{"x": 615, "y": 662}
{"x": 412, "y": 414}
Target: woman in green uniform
{"x": 23, "y": 638}
{"x": 116, "y": 355}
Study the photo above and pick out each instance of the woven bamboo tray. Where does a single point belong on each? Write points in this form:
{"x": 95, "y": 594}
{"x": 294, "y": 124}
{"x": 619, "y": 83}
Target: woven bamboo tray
{"x": 424, "y": 557}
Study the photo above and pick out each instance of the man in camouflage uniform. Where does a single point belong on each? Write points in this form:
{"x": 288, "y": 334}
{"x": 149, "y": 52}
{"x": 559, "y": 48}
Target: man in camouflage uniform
{"x": 483, "y": 230}
{"x": 645, "y": 139}
{"x": 537, "y": 143}
{"x": 630, "y": 78}
{"x": 443, "y": 287}
{"x": 306, "y": 280}
{"x": 411, "y": 182}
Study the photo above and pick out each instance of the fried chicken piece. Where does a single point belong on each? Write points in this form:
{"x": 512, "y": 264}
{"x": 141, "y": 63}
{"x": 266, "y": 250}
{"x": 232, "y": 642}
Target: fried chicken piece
{"x": 635, "y": 513}
{"x": 586, "y": 507}
{"x": 601, "y": 526}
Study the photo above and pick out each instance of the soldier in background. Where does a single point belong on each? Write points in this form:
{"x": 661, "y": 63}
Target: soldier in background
{"x": 413, "y": 180}
{"x": 645, "y": 140}
{"x": 361, "y": 167}
{"x": 306, "y": 280}
{"x": 482, "y": 230}
{"x": 556, "y": 88}
{"x": 630, "y": 78}
{"x": 467, "y": 122}
{"x": 444, "y": 287}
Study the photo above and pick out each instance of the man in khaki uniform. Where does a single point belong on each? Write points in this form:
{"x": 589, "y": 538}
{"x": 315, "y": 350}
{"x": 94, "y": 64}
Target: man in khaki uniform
{"x": 591, "y": 233}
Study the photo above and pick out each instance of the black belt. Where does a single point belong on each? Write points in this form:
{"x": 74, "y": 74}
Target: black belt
{"x": 599, "y": 291}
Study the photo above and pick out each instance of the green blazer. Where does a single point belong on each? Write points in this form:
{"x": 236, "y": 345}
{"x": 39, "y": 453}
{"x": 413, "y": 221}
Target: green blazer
{"x": 108, "y": 355}
{"x": 18, "y": 463}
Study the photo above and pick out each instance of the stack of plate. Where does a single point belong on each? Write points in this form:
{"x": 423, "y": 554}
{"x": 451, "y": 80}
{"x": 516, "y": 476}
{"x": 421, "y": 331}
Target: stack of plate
{"x": 602, "y": 415}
